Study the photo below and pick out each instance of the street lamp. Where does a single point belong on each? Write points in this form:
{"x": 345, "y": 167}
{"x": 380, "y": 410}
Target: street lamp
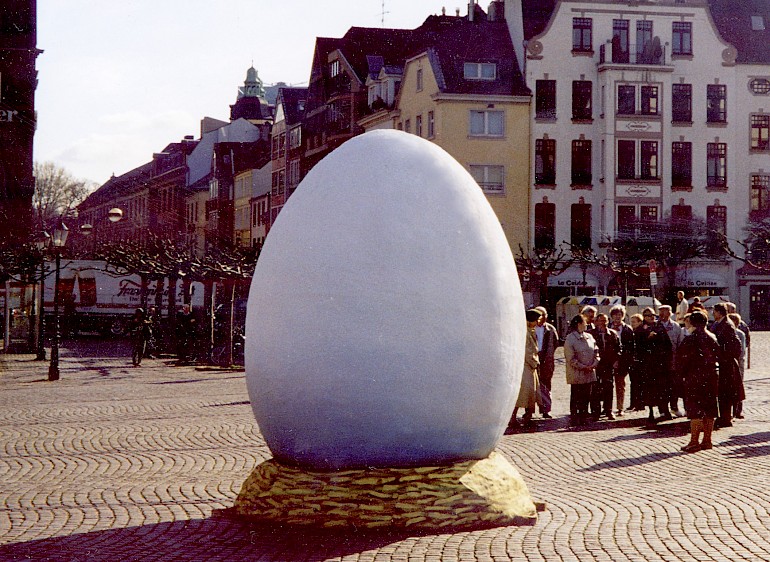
{"x": 41, "y": 243}
{"x": 58, "y": 240}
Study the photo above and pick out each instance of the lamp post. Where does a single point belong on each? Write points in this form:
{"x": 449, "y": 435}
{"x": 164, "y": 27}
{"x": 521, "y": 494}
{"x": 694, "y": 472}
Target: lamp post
{"x": 41, "y": 243}
{"x": 59, "y": 239}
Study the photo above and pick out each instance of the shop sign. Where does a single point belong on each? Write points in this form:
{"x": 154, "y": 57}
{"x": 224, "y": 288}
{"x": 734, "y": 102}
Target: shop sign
{"x": 7, "y": 115}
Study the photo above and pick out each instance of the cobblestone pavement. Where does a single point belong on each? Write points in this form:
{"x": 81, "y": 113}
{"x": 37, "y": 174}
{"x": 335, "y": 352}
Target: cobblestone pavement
{"x": 120, "y": 463}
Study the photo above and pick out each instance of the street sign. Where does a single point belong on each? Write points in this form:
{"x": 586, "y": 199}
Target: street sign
{"x": 653, "y": 265}
{"x": 653, "y": 278}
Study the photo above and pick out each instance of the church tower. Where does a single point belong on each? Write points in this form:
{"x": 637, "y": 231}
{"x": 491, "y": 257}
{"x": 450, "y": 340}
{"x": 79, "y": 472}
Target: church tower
{"x": 252, "y": 104}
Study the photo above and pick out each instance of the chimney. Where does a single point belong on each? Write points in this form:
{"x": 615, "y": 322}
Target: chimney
{"x": 457, "y": 12}
{"x": 496, "y": 11}
{"x": 515, "y": 19}
{"x": 471, "y": 10}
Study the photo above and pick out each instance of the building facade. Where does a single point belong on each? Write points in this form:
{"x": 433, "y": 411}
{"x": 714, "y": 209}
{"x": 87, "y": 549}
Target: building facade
{"x": 637, "y": 117}
{"x": 466, "y": 93}
{"x": 18, "y": 121}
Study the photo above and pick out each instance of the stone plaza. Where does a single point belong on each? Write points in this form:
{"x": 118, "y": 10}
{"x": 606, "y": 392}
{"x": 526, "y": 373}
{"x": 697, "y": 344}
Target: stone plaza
{"x": 114, "y": 462}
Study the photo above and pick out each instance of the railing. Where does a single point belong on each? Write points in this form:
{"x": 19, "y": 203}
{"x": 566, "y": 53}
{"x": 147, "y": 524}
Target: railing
{"x": 653, "y": 54}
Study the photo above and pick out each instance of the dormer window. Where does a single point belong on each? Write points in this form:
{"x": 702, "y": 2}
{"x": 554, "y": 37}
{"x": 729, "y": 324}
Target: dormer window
{"x": 480, "y": 71}
{"x": 757, "y": 23}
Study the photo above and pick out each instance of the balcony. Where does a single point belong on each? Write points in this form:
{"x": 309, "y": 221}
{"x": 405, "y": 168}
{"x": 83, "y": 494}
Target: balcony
{"x": 653, "y": 54}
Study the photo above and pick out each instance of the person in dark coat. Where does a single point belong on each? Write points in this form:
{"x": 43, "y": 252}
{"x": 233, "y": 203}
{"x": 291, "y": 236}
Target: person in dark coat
{"x": 730, "y": 384}
{"x": 185, "y": 334}
{"x": 654, "y": 350}
{"x": 140, "y": 328}
{"x": 696, "y": 364}
{"x": 608, "y": 342}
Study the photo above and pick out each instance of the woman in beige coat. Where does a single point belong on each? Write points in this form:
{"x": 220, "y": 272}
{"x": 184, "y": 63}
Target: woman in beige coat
{"x": 530, "y": 381}
{"x": 581, "y": 356}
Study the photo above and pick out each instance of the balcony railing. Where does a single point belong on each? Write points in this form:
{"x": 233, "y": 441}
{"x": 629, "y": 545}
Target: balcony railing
{"x": 653, "y": 54}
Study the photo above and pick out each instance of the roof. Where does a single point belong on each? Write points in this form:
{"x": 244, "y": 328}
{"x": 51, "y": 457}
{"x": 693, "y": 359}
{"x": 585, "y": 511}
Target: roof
{"x": 734, "y": 21}
{"x": 294, "y": 100}
{"x": 451, "y": 40}
{"x": 537, "y": 14}
{"x": 458, "y": 40}
{"x": 118, "y": 186}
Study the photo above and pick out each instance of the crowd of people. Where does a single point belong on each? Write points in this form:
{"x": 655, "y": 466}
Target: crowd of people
{"x": 675, "y": 356}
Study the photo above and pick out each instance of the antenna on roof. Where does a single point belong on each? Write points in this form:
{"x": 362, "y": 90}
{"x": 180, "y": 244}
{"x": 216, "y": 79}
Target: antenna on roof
{"x": 382, "y": 14}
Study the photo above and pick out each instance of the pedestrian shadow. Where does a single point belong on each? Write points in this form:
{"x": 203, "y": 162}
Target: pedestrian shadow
{"x": 629, "y": 462}
{"x": 747, "y": 446}
{"x": 213, "y": 539}
{"x": 657, "y": 431}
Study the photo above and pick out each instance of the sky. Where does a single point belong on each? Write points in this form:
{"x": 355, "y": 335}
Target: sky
{"x": 118, "y": 81}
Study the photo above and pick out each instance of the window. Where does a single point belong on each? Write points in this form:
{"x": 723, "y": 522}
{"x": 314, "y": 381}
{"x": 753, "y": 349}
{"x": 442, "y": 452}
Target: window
{"x": 581, "y": 162}
{"x": 486, "y": 123}
{"x": 545, "y": 161}
{"x": 716, "y": 223}
{"x": 626, "y": 100}
{"x": 757, "y": 23}
{"x": 580, "y": 226}
{"x": 581, "y": 99}
{"x": 681, "y": 217}
{"x": 295, "y": 137}
{"x": 649, "y": 160}
{"x": 649, "y": 100}
{"x": 681, "y": 38}
{"x": 760, "y": 86}
{"x": 418, "y": 125}
{"x": 407, "y": 125}
{"x": 431, "y": 125}
{"x": 545, "y": 226}
{"x": 648, "y": 213}
{"x": 581, "y": 34}
{"x": 760, "y": 192}
{"x": 626, "y": 159}
{"x": 760, "y": 132}
{"x": 643, "y": 38}
{"x": 716, "y": 103}
{"x": 419, "y": 79}
{"x": 620, "y": 41}
{"x": 489, "y": 178}
{"x": 681, "y": 164}
{"x": 681, "y": 103}
{"x": 480, "y": 71}
{"x": 545, "y": 99}
{"x": 716, "y": 154}
{"x": 334, "y": 68}
{"x": 626, "y": 218}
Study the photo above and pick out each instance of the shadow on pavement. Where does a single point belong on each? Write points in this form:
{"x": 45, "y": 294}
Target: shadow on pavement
{"x": 216, "y": 538}
{"x": 635, "y": 461}
{"x": 752, "y": 445}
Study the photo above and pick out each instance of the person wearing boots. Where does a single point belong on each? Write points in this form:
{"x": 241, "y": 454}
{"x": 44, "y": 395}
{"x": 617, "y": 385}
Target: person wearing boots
{"x": 696, "y": 364}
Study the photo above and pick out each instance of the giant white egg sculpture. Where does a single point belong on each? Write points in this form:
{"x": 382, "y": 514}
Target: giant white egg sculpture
{"x": 385, "y": 319}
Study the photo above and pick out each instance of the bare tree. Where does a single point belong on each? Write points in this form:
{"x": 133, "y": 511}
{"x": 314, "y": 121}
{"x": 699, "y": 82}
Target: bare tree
{"x": 57, "y": 192}
{"x": 538, "y": 265}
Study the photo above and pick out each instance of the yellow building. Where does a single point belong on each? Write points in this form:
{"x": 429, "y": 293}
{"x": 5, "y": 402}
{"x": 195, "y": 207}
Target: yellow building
{"x": 465, "y": 92}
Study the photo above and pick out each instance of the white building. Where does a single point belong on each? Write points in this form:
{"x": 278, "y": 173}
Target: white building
{"x": 643, "y": 110}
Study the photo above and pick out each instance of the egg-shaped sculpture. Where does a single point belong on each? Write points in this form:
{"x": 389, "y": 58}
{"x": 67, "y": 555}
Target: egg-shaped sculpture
{"x": 385, "y": 323}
